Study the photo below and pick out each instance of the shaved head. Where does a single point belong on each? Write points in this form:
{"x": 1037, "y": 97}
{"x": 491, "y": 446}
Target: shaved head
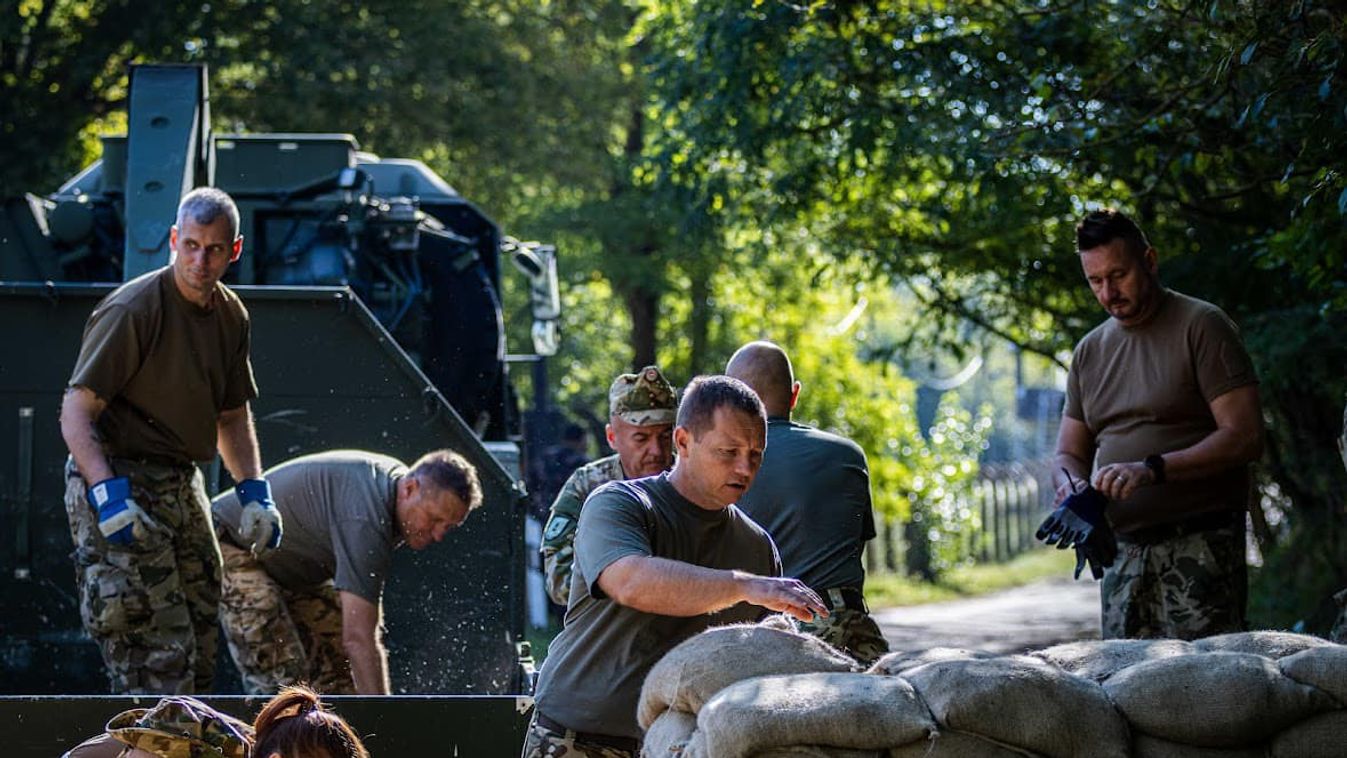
{"x": 765, "y": 367}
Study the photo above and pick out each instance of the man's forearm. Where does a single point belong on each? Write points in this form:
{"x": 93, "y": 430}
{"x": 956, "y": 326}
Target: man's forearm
{"x": 672, "y": 588}
{"x": 81, "y": 436}
{"x": 369, "y": 666}
{"x": 236, "y": 440}
{"x": 1078, "y": 468}
{"x": 1219, "y": 451}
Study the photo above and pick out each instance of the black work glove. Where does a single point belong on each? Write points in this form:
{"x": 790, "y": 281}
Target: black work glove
{"x": 1079, "y": 523}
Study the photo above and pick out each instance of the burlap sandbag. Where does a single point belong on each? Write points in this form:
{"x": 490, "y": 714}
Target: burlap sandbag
{"x": 1146, "y": 746}
{"x": 949, "y": 743}
{"x": 1213, "y": 699}
{"x": 703, "y": 665}
{"x": 855, "y": 711}
{"x": 1323, "y": 736}
{"x": 668, "y": 734}
{"x": 1100, "y": 659}
{"x": 1024, "y": 702}
{"x": 893, "y": 664}
{"x": 1266, "y": 643}
{"x": 816, "y": 751}
{"x": 1323, "y": 667}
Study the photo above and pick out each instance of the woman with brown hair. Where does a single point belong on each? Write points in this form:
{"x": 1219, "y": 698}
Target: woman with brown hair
{"x": 296, "y": 724}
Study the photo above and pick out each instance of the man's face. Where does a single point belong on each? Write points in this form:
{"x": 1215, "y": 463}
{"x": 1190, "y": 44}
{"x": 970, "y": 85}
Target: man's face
{"x": 426, "y": 514}
{"x": 719, "y": 467}
{"x": 202, "y": 253}
{"x": 643, "y": 450}
{"x": 1123, "y": 283}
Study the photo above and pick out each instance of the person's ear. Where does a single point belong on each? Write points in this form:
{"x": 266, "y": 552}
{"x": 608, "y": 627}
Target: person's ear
{"x": 794, "y": 394}
{"x": 610, "y": 435}
{"x": 238, "y": 248}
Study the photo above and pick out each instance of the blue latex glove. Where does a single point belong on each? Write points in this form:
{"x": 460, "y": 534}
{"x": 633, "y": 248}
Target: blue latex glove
{"x": 260, "y": 524}
{"x": 120, "y": 519}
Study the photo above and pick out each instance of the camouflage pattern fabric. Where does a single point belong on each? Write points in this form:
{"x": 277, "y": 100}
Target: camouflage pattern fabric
{"x": 152, "y": 606}
{"x": 1188, "y": 587}
{"x": 278, "y": 637}
{"x": 558, "y": 548}
{"x": 541, "y": 742}
{"x": 851, "y": 631}
{"x": 181, "y": 727}
{"x": 645, "y": 398}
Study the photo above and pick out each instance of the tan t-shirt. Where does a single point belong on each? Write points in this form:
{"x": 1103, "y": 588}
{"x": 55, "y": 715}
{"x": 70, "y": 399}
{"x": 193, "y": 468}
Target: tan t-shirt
{"x": 166, "y": 368}
{"x": 1147, "y": 390}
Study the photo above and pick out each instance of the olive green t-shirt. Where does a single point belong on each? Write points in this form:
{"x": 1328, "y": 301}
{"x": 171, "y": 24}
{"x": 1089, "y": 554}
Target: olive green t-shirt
{"x": 592, "y": 677}
{"x": 166, "y": 368}
{"x": 338, "y": 509}
{"x": 1147, "y": 389}
{"x": 812, "y": 495}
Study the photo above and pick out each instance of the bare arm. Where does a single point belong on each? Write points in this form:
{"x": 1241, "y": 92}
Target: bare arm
{"x": 360, "y": 639}
{"x": 237, "y": 442}
{"x": 1075, "y": 452}
{"x": 1237, "y": 439}
{"x": 675, "y": 588}
{"x": 80, "y": 408}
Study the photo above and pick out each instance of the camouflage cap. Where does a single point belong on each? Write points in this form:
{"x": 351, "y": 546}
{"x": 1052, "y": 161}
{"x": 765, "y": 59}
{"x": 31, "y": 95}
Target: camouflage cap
{"x": 182, "y": 727}
{"x": 643, "y": 399}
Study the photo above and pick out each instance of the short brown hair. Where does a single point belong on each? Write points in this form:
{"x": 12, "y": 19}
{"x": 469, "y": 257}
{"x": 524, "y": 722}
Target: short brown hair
{"x": 296, "y": 722}
{"x": 1107, "y": 224}
{"x": 447, "y": 470}
{"x": 704, "y": 394}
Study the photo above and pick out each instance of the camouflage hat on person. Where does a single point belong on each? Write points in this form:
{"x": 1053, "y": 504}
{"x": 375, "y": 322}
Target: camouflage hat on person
{"x": 644, "y": 399}
{"x": 182, "y": 727}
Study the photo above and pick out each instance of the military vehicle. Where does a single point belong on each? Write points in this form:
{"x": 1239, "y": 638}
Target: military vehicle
{"x": 374, "y": 289}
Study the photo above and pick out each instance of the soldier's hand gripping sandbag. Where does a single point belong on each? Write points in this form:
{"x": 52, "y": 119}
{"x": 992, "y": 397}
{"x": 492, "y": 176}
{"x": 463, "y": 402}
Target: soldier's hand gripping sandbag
{"x": 260, "y": 524}
{"x": 120, "y": 518}
{"x": 1079, "y": 522}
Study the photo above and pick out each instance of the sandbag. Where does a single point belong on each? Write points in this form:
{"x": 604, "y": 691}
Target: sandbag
{"x": 668, "y": 734}
{"x": 699, "y": 667}
{"x": 895, "y": 663}
{"x": 816, "y": 751}
{"x": 1323, "y": 667}
{"x": 1024, "y": 702}
{"x": 1146, "y": 746}
{"x": 854, "y": 711}
{"x": 950, "y": 743}
{"x": 1323, "y": 736}
{"x": 1271, "y": 644}
{"x": 1213, "y": 699}
{"x": 1100, "y": 659}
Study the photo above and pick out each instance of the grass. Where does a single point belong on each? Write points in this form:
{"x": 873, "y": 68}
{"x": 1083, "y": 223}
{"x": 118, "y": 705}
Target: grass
{"x": 890, "y": 590}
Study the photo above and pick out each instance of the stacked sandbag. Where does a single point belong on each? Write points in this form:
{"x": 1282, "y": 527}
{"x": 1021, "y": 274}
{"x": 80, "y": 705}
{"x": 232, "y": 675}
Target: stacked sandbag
{"x": 1098, "y": 660}
{"x": 895, "y": 663}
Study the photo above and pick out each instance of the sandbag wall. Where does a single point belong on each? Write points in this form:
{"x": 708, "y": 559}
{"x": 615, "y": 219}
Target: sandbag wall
{"x": 766, "y": 691}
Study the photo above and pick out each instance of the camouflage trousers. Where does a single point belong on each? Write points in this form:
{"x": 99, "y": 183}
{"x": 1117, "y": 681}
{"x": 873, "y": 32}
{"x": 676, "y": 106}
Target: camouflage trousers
{"x": 278, "y": 637}
{"x": 1193, "y": 585}
{"x": 541, "y": 742}
{"x": 850, "y": 630}
{"x": 152, "y": 606}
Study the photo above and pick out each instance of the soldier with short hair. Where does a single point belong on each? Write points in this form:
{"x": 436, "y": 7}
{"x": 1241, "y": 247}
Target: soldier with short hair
{"x": 1162, "y": 403}
{"x": 640, "y": 430}
{"x": 813, "y": 496}
{"x": 311, "y": 611}
{"x": 163, "y": 381}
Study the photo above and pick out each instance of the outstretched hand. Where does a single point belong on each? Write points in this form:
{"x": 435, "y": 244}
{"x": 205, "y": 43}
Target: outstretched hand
{"x": 786, "y": 596}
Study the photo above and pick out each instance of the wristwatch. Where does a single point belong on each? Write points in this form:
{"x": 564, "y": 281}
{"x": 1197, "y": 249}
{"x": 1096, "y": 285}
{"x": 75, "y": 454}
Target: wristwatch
{"x": 1156, "y": 463}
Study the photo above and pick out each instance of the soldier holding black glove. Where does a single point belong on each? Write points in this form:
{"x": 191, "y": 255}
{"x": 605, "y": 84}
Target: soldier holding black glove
{"x": 163, "y": 380}
{"x": 1080, "y": 523}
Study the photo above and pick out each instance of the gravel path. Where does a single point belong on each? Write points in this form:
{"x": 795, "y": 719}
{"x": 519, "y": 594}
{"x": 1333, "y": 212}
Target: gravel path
{"x": 1025, "y": 618}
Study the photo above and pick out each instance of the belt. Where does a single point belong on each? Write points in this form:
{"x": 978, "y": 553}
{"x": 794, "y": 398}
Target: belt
{"x": 1205, "y": 522}
{"x": 844, "y": 597}
{"x": 629, "y": 744}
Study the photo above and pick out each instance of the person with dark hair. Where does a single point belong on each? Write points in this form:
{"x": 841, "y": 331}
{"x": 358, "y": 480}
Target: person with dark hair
{"x": 640, "y": 430}
{"x": 312, "y": 609}
{"x": 163, "y": 382}
{"x": 813, "y": 496}
{"x": 296, "y": 724}
{"x": 1162, "y": 403}
{"x": 658, "y": 560}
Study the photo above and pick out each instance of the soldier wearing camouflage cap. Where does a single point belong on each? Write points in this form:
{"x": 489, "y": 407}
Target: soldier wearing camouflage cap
{"x": 641, "y": 409}
{"x": 177, "y": 727}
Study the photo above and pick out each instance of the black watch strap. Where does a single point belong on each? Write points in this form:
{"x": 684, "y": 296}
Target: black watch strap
{"x": 1156, "y": 463}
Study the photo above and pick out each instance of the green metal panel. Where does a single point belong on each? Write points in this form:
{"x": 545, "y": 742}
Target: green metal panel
{"x": 392, "y": 727}
{"x": 272, "y": 163}
{"x": 330, "y": 377}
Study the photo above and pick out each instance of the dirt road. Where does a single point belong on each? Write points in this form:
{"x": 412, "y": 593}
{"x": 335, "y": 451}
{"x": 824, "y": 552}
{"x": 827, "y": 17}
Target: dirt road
{"x": 1030, "y": 617}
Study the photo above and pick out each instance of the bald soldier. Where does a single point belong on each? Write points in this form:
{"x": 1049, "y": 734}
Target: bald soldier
{"x": 641, "y": 410}
{"x": 813, "y": 496}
